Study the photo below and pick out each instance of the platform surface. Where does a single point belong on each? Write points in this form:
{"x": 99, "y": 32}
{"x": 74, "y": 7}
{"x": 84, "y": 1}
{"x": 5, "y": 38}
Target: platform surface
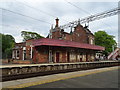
{"x": 46, "y": 64}
{"x": 40, "y": 80}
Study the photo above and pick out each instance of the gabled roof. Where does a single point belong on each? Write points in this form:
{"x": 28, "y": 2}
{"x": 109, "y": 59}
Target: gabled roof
{"x": 66, "y": 33}
{"x": 64, "y": 43}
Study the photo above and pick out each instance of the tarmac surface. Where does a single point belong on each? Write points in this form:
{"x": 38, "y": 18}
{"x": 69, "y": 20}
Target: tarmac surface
{"x": 94, "y": 78}
{"x": 107, "y": 79}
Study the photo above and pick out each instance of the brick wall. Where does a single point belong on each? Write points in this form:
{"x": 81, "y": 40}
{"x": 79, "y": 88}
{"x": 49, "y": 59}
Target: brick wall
{"x": 64, "y": 56}
{"x": 4, "y": 61}
{"x": 28, "y": 49}
{"x": 80, "y": 34}
{"x": 41, "y": 55}
{"x": 21, "y": 62}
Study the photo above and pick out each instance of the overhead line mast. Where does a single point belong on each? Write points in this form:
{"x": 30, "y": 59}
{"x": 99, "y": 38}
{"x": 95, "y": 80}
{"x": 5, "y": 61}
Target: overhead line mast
{"x": 91, "y": 18}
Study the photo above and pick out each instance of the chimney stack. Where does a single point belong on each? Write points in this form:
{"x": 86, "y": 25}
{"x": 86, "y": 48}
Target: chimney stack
{"x": 57, "y": 22}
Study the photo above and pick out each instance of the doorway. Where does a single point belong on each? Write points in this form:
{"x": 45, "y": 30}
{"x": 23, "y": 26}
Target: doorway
{"x": 68, "y": 57}
{"x": 81, "y": 56}
{"x": 57, "y": 57}
{"x": 86, "y": 57}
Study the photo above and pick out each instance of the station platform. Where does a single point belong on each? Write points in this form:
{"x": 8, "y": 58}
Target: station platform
{"x": 47, "y": 64}
{"x": 27, "y": 82}
{"x": 17, "y": 71}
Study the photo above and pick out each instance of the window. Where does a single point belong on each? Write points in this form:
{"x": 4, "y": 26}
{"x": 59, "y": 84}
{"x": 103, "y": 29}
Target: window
{"x": 13, "y": 54}
{"x": 91, "y": 40}
{"x": 60, "y": 38}
{"x": 29, "y": 51}
{"x": 64, "y": 37}
{"x": 17, "y": 47}
{"x": 17, "y": 53}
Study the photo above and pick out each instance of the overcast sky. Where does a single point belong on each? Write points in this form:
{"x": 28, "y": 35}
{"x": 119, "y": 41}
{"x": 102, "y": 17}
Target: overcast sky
{"x": 45, "y": 13}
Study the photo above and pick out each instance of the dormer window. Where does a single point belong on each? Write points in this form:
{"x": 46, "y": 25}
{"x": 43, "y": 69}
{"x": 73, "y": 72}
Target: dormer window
{"x": 91, "y": 41}
{"x": 60, "y": 38}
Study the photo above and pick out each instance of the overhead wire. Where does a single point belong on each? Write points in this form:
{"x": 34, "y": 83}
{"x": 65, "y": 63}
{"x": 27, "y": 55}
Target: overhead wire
{"x": 18, "y": 27}
{"x": 84, "y": 11}
{"x": 77, "y": 7}
{"x": 36, "y": 9}
{"x": 39, "y": 10}
{"x": 6, "y": 25}
{"x": 24, "y": 15}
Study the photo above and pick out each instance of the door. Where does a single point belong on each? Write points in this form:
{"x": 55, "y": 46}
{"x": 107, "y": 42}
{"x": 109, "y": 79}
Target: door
{"x": 68, "y": 57}
{"x": 86, "y": 57}
{"x": 57, "y": 57}
{"x": 81, "y": 55}
{"x": 80, "y": 59}
{"x": 25, "y": 55}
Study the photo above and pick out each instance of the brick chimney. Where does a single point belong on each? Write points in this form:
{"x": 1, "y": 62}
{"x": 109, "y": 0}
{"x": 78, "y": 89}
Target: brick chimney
{"x": 57, "y": 22}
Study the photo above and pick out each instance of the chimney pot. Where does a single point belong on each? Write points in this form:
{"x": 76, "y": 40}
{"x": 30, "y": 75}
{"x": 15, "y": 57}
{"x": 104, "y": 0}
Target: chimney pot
{"x": 57, "y": 22}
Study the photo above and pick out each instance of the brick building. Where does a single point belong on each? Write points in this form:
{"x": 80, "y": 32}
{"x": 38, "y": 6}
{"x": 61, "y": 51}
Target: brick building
{"x": 18, "y": 51}
{"x": 60, "y": 46}
{"x": 80, "y": 34}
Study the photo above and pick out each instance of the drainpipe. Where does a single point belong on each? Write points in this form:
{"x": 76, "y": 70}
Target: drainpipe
{"x": 49, "y": 54}
{"x": 113, "y": 48}
{"x": 13, "y": 56}
{"x": 16, "y": 54}
{"x": 24, "y": 53}
{"x": 31, "y": 50}
{"x": 50, "y": 36}
{"x": 113, "y": 52}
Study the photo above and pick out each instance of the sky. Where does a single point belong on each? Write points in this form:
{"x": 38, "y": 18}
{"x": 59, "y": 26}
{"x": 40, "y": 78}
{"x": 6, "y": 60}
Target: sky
{"x": 44, "y": 13}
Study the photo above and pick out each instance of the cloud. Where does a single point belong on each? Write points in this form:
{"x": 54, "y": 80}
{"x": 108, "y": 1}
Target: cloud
{"x": 13, "y": 24}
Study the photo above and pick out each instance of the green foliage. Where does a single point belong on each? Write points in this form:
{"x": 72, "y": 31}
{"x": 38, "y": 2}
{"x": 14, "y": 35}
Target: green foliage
{"x": 7, "y": 42}
{"x": 30, "y": 35}
{"x": 105, "y": 40}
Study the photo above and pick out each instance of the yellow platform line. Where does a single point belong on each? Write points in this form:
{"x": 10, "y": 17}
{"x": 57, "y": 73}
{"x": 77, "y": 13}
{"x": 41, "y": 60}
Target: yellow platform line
{"x": 62, "y": 78}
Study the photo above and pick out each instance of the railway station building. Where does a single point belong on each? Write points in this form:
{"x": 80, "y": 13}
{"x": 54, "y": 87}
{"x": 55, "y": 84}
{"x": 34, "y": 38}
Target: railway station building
{"x": 59, "y": 47}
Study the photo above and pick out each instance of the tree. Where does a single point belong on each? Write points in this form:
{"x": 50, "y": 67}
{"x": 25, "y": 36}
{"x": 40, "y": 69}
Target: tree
{"x": 105, "y": 40}
{"x": 8, "y": 43}
{"x": 30, "y": 35}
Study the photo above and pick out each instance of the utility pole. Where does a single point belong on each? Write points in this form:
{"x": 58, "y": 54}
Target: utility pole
{"x": 113, "y": 51}
{"x": 50, "y": 51}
